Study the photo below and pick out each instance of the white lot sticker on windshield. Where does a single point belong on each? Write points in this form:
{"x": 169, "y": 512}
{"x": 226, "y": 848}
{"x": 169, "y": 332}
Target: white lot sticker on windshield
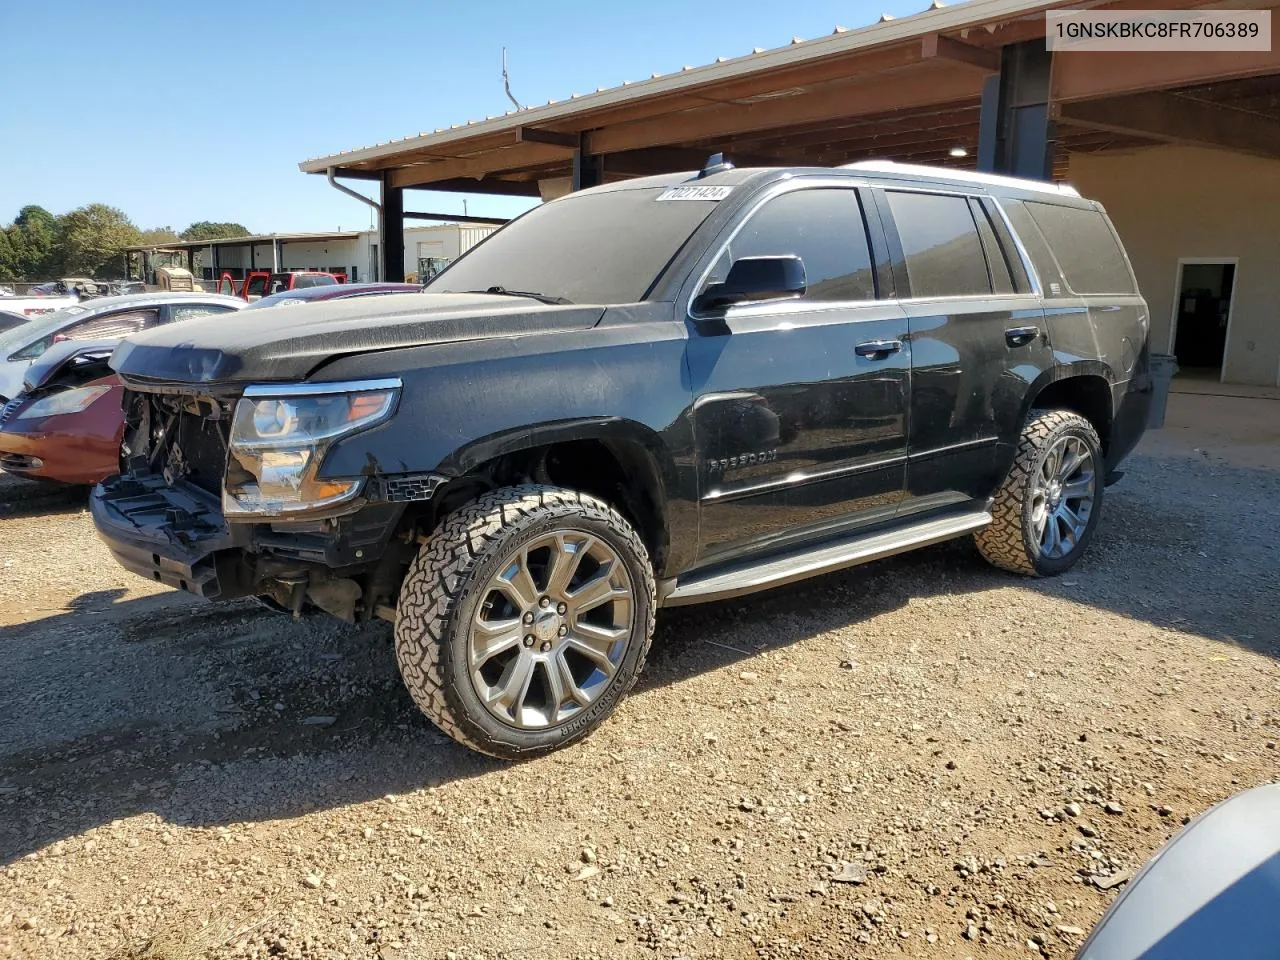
{"x": 694, "y": 193}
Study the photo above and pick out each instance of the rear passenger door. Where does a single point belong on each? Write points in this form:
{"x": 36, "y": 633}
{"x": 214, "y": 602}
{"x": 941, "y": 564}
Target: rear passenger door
{"x": 800, "y": 405}
{"x": 978, "y": 341}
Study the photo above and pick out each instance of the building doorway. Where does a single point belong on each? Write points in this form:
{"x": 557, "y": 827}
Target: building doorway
{"x": 1202, "y": 315}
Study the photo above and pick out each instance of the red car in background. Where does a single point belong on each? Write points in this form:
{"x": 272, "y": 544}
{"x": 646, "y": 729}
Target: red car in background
{"x": 260, "y": 283}
{"x": 68, "y": 422}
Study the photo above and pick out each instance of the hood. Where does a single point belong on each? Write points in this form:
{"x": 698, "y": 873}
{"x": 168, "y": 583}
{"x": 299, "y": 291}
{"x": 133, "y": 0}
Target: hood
{"x": 79, "y": 357}
{"x": 289, "y": 342}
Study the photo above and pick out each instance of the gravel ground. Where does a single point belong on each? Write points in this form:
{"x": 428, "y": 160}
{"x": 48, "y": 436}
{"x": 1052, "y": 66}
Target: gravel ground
{"x": 921, "y": 757}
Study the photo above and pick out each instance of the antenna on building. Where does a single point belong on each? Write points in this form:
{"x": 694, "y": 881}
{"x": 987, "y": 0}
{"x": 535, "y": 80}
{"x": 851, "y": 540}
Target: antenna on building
{"x": 506, "y": 81}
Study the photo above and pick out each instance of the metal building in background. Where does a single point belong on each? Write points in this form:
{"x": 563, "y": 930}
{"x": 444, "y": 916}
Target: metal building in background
{"x": 1183, "y": 149}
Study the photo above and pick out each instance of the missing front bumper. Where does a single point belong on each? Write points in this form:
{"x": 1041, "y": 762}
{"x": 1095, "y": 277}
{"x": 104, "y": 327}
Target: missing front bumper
{"x": 175, "y": 535}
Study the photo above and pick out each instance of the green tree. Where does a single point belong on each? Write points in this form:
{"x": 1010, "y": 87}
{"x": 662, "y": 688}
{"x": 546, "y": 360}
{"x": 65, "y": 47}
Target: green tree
{"x": 33, "y": 237}
{"x": 91, "y": 239}
{"x": 208, "y": 230}
{"x": 8, "y": 258}
{"x": 158, "y": 236}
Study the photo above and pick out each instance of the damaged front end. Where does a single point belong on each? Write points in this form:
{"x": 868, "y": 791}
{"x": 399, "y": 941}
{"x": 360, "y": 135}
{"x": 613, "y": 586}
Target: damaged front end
{"x": 221, "y": 494}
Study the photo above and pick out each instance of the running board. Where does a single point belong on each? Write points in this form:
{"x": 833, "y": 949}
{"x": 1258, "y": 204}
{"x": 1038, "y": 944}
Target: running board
{"x": 777, "y": 570}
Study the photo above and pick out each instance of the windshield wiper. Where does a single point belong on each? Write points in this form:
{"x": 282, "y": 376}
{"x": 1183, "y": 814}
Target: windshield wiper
{"x": 540, "y": 297}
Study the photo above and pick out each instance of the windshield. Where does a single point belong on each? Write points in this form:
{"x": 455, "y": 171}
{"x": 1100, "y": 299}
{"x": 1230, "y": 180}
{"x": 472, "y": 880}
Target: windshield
{"x": 37, "y": 329}
{"x": 592, "y": 248}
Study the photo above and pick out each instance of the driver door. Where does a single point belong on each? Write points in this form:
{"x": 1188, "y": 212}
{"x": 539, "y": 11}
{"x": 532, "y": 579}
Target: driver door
{"x": 800, "y": 405}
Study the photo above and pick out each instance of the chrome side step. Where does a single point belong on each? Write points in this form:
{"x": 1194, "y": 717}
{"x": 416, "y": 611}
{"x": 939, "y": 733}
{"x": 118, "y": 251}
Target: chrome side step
{"x": 774, "y": 571}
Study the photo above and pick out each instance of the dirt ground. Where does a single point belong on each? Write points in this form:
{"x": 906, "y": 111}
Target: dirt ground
{"x": 922, "y": 757}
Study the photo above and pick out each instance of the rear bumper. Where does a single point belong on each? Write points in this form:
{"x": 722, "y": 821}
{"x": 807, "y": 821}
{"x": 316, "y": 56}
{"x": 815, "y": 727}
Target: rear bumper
{"x": 175, "y": 535}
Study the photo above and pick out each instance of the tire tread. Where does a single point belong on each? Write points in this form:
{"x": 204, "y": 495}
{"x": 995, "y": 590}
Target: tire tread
{"x": 1003, "y": 542}
{"x": 441, "y": 573}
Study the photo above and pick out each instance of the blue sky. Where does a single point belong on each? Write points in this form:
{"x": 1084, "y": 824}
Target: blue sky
{"x": 176, "y": 115}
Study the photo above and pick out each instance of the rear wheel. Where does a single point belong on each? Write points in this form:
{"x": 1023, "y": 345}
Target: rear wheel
{"x": 1046, "y": 510}
{"x": 524, "y": 619}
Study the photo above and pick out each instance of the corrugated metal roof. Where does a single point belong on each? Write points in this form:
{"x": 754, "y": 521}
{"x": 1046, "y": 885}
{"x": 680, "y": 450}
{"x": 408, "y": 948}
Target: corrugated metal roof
{"x": 937, "y": 18}
{"x": 255, "y": 238}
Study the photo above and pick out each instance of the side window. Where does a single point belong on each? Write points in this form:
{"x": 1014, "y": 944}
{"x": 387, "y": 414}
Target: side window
{"x": 189, "y": 311}
{"x": 941, "y": 245}
{"x": 1085, "y": 246}
{"x": 997, "y": 266}
{"x": 113, "y": 326}
{"x": 824, "y": 228}
{"x": 1051, "y": 282}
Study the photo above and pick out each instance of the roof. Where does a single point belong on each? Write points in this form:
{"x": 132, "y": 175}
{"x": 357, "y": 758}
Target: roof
{"x": 254, "y": 238}
{"x": 918, "y": 171}
{"x": 938, "y": 18}
{"x": 96, "y": 304}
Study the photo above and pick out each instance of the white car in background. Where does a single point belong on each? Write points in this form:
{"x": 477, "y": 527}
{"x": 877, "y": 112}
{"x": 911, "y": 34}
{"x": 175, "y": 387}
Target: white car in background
{"x": 103, "y": 318}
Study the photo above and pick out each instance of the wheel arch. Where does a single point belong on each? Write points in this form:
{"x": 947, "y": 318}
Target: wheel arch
{"x": 620, "y": 461}
{"x": 1084, "y": 387}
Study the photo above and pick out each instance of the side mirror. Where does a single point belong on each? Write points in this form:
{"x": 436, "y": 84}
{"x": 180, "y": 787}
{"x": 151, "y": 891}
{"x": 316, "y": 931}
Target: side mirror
{"x": 756, "y": 278}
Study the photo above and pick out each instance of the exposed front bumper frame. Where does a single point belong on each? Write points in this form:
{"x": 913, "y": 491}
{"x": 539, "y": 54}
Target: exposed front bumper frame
{"x": 175, "y": 535}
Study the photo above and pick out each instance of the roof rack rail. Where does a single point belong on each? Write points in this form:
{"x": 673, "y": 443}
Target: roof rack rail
{"x": 962, "y": 176}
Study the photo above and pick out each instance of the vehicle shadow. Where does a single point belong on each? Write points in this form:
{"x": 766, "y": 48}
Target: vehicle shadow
{"x": 19, "y": 497}
{"x": 208, "y": 714}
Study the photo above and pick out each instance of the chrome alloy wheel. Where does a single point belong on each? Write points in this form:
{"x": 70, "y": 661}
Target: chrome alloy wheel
{"x": 1062, "y": 496}
{"x": 551, "y": 629}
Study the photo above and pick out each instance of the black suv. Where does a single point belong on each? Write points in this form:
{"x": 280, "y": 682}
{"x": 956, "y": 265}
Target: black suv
{"x": 657, "y": 392}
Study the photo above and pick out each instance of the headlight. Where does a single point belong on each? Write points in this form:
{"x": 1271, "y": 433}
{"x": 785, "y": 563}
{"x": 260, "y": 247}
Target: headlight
{"x": 68, "y": 401}
{"x": 280, "y": 435}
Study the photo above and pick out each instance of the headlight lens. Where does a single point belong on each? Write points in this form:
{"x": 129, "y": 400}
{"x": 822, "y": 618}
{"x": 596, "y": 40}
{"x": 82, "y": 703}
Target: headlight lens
{"x": 68, "y": 401}
{"x": 279, "y": 437}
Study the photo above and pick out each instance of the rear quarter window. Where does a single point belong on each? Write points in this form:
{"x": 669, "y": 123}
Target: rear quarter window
{"x": 1085, "y": 247}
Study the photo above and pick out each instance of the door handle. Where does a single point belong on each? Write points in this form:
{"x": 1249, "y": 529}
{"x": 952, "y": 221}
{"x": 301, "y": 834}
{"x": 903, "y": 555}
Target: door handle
{"x": 1020, "y": 336}
{"x": 878, "y": 349}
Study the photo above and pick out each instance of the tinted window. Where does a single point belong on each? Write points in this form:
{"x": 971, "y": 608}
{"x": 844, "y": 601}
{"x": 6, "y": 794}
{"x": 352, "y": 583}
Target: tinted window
{"x": 1085, "y": 247}
{"x": 997, "y": 266}
{"x": 1033, "y": 242}
{"x": 589, "y": 248}
{"x": 824, "y": 228}
{"x": 941, "y": 245}
{"x": 257, "y": 285}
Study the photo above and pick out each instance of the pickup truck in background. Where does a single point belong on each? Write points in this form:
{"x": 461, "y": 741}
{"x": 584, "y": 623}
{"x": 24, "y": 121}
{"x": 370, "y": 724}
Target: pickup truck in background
{"x": 261, "y": 283}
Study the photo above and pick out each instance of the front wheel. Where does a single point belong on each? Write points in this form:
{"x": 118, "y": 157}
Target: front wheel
{"x": 524, "y": 619}
{"x": 1045, "y": 512}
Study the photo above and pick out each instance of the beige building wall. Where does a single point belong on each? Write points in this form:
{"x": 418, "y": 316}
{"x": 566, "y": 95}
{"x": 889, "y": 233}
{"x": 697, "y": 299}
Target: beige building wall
{"x": 1185, "y": 202}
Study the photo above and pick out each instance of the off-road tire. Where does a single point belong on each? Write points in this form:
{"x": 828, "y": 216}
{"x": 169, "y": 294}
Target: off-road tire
{"x": 445, "y": 582}
{"x": 1008, "y": 541}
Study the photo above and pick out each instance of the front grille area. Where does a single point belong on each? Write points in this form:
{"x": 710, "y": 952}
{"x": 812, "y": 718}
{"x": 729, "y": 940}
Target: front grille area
{"x": 179, "y": 437}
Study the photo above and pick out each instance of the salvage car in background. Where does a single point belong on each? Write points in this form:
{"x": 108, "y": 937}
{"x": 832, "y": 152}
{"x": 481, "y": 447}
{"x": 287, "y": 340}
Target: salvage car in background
{"x": 64, "y": 420}
{"x": 9, "y": 320}
{"x": 335, "y": 291}
{"x": 106, "y": 318}
{"x": 259, "y": 283}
